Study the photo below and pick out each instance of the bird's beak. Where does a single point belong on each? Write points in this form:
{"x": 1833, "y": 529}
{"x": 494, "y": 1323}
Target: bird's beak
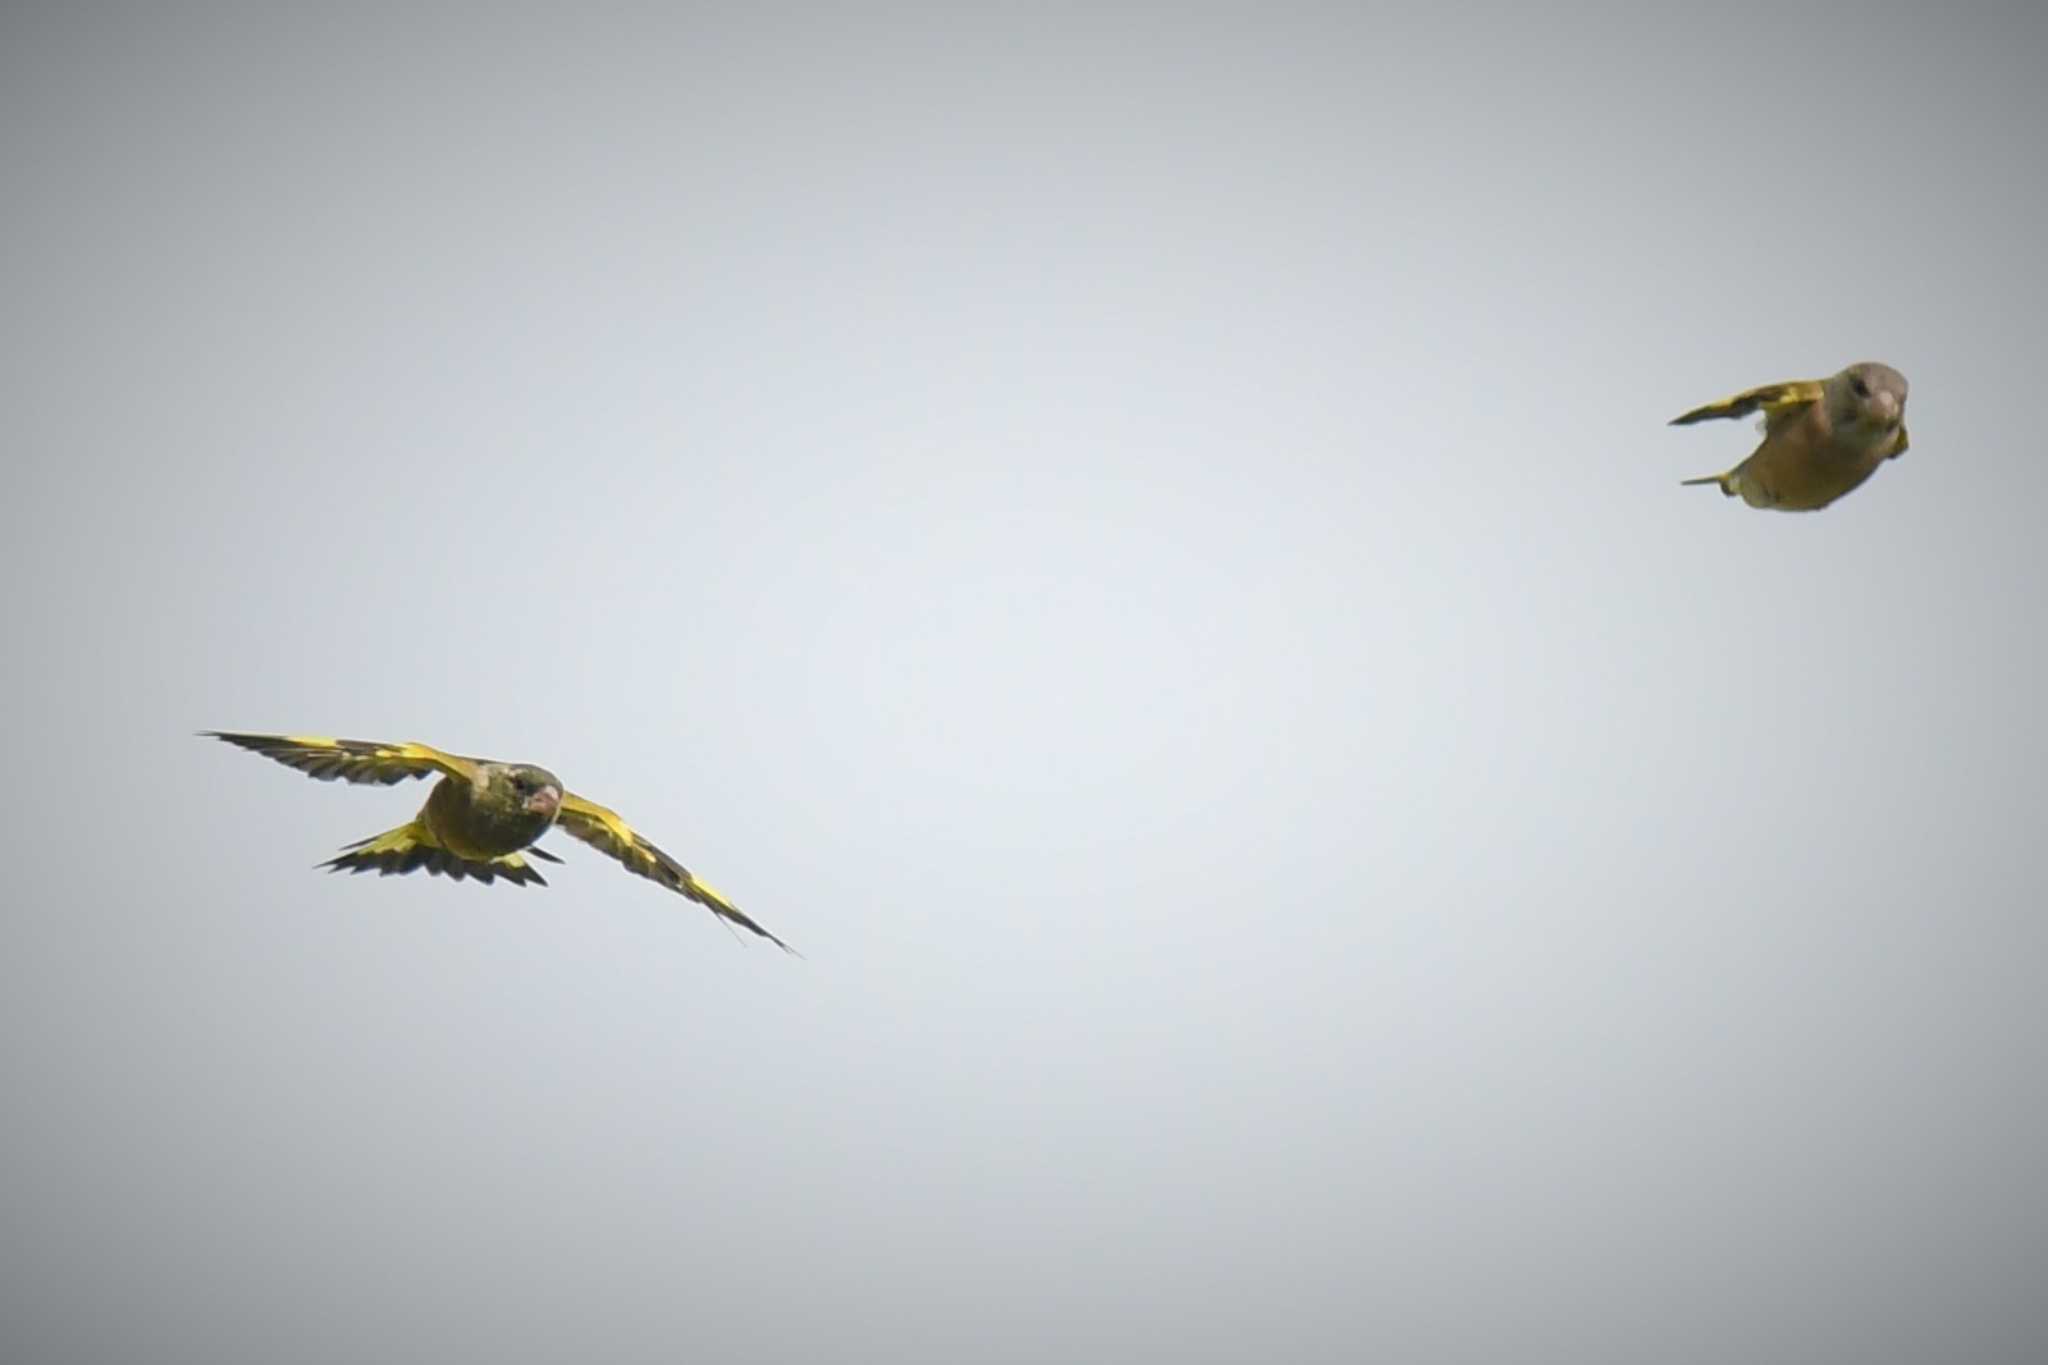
{"x": 546, "y": 801}
{"x": 1888, "y": 409}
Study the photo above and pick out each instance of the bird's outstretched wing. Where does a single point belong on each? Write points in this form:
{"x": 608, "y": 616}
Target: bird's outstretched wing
{"x": 603, "y": 830}
{"x": 352, "y": 760}
{"x": 1775, "y": 401}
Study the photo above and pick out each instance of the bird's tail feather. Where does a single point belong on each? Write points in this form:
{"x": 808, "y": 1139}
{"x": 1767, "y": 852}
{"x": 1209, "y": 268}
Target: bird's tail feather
{"x": 412, "y": 846}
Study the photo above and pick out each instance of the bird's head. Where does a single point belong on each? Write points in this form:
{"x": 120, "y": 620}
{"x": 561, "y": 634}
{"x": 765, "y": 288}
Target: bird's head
{"x": 533, "y": 790}
{"x": 1868, "y": 397}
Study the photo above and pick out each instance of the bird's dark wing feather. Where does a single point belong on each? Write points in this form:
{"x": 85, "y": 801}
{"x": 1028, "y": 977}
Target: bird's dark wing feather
{"x": 351, "y": 760}
{"x": 1776, "y": 401}
{"x": 603, "y": 830}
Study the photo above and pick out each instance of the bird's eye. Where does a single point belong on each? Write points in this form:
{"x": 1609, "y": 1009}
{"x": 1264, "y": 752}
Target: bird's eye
{"x": 1862, "y": 389}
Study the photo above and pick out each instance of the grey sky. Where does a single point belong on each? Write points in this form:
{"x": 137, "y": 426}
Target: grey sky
{"x": 1146, "y": 544}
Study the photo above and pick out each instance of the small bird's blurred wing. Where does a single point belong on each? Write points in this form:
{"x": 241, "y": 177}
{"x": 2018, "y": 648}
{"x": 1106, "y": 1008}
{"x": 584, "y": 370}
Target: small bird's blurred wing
{"x": 603, "y": 830}
{"x": 352, "y": 760}
{"x": 1777, "y": 402}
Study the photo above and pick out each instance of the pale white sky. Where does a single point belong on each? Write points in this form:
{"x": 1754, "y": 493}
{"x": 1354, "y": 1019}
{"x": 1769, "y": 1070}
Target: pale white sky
{"x": 1146, "y": 545}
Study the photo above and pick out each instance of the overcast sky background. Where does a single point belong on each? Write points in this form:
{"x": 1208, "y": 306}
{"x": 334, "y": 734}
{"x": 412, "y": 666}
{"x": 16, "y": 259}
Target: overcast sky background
{"x": 1144, "y": 543}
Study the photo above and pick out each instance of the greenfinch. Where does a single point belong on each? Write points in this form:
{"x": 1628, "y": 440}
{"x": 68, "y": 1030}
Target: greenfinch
{"x": 1822, "y": 437}
{"x": 480, "y": 820}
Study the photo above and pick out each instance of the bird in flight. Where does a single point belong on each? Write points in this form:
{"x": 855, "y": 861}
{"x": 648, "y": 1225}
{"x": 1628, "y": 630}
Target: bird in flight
{"x": 1822, "y": 437}
{"x": 481, "y": 818}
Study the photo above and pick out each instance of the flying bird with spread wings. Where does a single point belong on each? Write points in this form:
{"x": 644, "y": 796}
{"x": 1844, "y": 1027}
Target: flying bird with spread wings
{"x": 1822, "y": 437}
{"x": 481, "y": 818}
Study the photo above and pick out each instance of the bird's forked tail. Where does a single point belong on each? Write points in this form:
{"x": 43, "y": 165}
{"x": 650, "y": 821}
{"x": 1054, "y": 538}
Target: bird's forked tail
{"x": 412, "y": 846}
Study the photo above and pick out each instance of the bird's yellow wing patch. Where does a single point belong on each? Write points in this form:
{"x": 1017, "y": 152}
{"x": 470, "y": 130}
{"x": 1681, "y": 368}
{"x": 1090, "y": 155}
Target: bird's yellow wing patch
{"x": 351, "y": 760}
{"x": 603, "y": 830}
{"x": 1775, "y": 401}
